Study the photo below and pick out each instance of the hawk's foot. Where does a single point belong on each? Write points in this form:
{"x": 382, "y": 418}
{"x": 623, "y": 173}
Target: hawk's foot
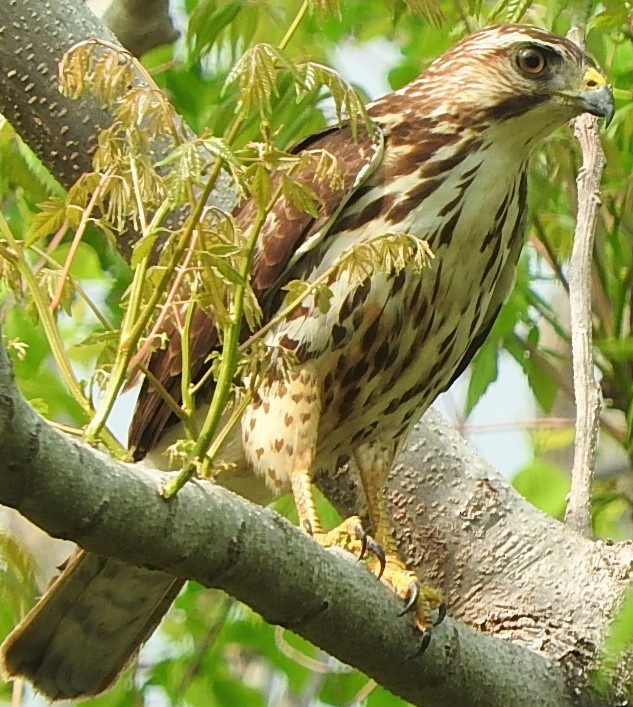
{"x": 418, "y": 598}
{"x": 351, "y": 536}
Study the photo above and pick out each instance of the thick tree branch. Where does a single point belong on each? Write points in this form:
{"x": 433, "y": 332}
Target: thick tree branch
{"x": 33, "y": 38}
{"x": 212, "y": 536}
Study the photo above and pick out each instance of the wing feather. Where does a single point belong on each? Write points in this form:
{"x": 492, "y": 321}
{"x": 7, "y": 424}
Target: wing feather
{"x": 286, "y": 236}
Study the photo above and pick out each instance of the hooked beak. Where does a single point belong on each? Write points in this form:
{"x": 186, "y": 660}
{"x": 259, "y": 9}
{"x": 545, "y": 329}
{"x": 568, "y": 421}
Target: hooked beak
{"x": 596, "y": 96}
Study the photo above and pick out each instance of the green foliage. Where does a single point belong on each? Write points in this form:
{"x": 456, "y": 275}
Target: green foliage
{"x": 544, "y": 485}
{"x": 18, "y": 590}
{"x": 228, "y": 655}
{"x": 18, "y": 573}
{"x": 617, "y": 647}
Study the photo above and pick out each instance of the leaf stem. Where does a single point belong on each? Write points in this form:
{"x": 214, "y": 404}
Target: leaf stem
{"x": 295, "y": 24}
{"x": 131, "y": 331}
{"x": 52, "y": 335}
{"x": 228, "y": 365}
{"x": 79, "y": 234}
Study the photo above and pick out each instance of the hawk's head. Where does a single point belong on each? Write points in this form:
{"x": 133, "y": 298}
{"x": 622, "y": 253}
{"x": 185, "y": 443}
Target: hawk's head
{"x": 518, "y": 72}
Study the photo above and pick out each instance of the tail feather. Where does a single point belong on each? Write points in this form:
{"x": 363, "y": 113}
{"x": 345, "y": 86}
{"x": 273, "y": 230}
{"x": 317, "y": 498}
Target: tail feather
{"x": 87, "y": 626}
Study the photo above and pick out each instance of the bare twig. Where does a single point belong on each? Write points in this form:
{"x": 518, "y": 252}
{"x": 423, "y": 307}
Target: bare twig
{"x": 587, "y": 390}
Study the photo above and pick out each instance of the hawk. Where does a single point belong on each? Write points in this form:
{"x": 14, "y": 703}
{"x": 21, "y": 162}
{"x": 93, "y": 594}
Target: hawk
{"x": 449, "y": 168}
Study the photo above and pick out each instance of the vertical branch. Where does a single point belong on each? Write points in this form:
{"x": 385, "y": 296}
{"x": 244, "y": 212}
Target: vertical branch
{"x": 586, "y": 388}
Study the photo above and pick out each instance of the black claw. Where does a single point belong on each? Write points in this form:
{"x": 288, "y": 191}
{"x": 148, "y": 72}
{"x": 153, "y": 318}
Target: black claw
{"x": 424, "y": 643}
{"x": 377, "y": 551}
{"x": 361, "y": 534}
{"x": 412, "y": 597}
{"x": 441, "y": 614}
{"x": 307, "y": 526}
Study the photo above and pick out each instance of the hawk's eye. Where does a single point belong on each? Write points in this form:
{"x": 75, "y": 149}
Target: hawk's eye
{"x": 531, "y": 60}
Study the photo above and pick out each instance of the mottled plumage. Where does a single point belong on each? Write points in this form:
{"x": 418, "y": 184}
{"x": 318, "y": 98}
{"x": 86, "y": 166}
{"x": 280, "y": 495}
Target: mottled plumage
{"x": 448, "y": 166}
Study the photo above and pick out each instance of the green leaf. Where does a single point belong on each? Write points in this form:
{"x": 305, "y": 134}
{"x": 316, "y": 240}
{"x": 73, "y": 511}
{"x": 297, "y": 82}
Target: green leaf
{"x": 542, "y": 385}
{"x": 617, "y": 349}
{"x": 256, "y": 75}
{"x": 48, "y": 220}
{"x": 19, "y": 165}
{"x": 18, "y": 572}
{"x": 299, "y": 195}
{"x": 233, "y": 691}
{"x": 85, "y": 264}
{"x": 260, "y": 185}
{"x": 228, "y": 272}
{"x": 218, "y": 148}
{"x": 544, "y": 485}
{"x": 142, "y": 248}
{"x": 323, "y": 296}
{"x": 205, "y": 24}
{"x": 430, "y": 9}
{"x": 617, "y": 645}
{"x": 552, "y": 439}
{"x": 484, "y": 370}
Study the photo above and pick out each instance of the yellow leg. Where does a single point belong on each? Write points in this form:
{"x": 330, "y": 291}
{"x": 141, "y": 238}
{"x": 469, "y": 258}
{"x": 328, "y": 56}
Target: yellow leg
{"x": 373, "y": 462}
{"x": 349, "y": 535}
{"x": 303, "y": 406}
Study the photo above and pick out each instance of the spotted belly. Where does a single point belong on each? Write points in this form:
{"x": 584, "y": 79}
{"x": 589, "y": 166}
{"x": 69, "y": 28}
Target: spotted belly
{"x": 368, "y": 368}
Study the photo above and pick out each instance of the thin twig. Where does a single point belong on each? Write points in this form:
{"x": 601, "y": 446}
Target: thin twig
{"x": 77, "y": 238}
{"x": 586, "y": 388}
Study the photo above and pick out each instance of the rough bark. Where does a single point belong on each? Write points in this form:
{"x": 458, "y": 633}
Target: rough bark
{"x": 507, "y": 568}
{"x": 33, "y": 38}
{"x": 112, "y": 508}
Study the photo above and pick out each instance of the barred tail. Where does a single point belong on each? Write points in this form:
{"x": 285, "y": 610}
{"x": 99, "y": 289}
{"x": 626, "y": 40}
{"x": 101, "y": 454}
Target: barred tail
{"x": 87, "y": 626}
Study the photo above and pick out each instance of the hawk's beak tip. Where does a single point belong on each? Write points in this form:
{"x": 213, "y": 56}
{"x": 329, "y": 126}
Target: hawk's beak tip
{"x": 599, "y": 102}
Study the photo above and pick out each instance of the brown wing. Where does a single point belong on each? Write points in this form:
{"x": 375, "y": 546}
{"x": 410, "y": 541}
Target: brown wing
{"x": 285, "y": 230}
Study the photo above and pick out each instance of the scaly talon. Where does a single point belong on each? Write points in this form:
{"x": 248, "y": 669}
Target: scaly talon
{"x": 363, "y": 536}
{"x": 418, "y": 598}
{"x": 424, "y": 643}
{"x": 377, "y": 551}
{"x": 349, "y": 535}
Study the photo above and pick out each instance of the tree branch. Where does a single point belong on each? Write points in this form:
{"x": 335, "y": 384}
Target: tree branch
{"x": 587, "y": 390}
{"x": 114, "y": 509}
{"x": 33, "y": 38}
{"x": 140, "y": 25}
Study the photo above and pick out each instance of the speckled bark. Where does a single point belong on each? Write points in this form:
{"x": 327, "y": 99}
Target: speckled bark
{"x": 33, "y": 38}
